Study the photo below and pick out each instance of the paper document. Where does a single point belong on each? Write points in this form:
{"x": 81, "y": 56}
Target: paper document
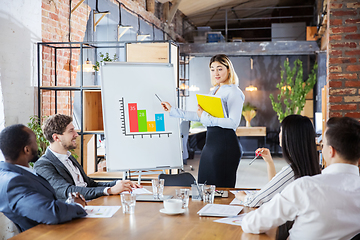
{"x": 101, "y": 211}
{"x": 220, "y": 210}
{"x": 232, "y": 220}
{"x": 211, "y": 104}
{"x": 141, "y": 191}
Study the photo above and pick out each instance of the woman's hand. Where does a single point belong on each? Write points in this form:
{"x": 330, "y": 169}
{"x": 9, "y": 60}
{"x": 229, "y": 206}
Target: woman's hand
{"x": 166, "y": 106}
{"x": 199, "y": 111}
{"x": 265, "y": 154}
{"x": 240, "y": 195}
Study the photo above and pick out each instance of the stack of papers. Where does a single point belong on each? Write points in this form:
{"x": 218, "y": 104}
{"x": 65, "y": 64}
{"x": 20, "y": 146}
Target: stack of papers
{"x": 220, "y": 210}
{"x": 233, "y": 220}
{"x": 101, "y": 211}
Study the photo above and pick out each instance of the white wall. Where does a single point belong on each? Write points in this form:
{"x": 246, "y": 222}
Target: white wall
{"x": 20, "y": 29}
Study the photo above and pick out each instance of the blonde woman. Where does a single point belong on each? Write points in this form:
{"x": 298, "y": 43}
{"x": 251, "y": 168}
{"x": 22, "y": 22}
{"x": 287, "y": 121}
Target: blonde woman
{"x": 221, "y": 154}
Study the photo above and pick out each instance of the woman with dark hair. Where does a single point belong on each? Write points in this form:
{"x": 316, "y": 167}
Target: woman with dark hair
{"x": 297, "y": 139}
{"x": 221, "y": 154}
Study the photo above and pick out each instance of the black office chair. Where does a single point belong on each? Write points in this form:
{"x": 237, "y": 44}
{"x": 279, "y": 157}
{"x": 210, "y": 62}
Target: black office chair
{"x": 182, "y": 179}
{"x": 356, "y": 237}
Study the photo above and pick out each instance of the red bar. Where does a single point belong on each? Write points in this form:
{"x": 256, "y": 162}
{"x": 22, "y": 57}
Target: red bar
{"x": 133, "y": 117}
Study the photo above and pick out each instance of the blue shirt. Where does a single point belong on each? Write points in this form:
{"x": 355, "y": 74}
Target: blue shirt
{"x": 233, "y": 100}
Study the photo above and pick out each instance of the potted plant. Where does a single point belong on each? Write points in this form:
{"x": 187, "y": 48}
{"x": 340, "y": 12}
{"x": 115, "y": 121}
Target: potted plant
{"x": 104, "y": 58}
{"x": 249, "y": 112}
{"x": 293, "y": 90}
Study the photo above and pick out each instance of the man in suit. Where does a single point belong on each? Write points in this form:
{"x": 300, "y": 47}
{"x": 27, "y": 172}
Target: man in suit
{"x": 26, "y": 198}
{"x": 62, "y": 170}
{"x": 324, "y": 206}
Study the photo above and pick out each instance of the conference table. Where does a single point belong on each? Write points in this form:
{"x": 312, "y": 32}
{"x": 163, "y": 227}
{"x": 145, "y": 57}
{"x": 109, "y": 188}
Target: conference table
{"x": 146, "y": 223}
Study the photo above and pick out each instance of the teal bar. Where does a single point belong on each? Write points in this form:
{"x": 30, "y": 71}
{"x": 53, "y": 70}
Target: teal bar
{"x": 142, "y": 120}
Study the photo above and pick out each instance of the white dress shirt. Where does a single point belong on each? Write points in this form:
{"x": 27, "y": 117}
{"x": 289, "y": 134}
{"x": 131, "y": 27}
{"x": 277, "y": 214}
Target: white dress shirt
{"x": 324, "y": 206}
{"x": 74, "y": 171}
{"x": 233, "y": 99}
{"x": 274, "y": 186}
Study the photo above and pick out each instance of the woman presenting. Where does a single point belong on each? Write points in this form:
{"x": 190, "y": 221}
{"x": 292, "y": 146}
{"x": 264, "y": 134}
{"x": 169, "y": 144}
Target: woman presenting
{"x": 221, "y": 154}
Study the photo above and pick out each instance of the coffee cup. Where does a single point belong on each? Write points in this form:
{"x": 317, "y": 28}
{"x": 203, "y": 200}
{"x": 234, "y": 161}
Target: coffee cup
{"x": 173, "y": 205}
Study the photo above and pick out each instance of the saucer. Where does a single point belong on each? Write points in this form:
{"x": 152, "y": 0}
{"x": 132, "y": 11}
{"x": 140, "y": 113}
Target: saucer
{"x": 172, "y": 213}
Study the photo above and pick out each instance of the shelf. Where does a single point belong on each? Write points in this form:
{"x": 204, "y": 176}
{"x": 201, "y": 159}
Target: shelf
{"x": 93, "y": 116}
{"x": 69, "y": 88}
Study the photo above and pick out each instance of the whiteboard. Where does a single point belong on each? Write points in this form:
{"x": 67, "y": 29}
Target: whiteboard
{"x": 128, "y": 93}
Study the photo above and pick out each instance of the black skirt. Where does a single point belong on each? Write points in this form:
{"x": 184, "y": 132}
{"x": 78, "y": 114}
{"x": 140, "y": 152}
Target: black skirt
{"x": 220, "y": 158}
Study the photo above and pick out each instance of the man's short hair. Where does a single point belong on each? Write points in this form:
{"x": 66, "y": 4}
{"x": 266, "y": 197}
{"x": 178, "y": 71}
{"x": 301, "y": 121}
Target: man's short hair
{"x": 343, "y": 134}
{"x": 13, "y": 139}
{"x": 55, "y": 124}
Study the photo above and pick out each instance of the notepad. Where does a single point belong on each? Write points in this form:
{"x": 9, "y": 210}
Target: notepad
{"x": 211, "y": 104}
{"x": 220, "y": 210}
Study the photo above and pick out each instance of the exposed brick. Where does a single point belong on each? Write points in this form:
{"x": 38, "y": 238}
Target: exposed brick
{"x": 351, "y": 29}
{"x": 352, "y": 52}
{"x": 352, "y": 21}
{"x": 342, "y": 76}
{"x": 335, "y": 69}
{"x": 353, "y": 68}
{"x": 343, "y": 107}
{"x": 352, "y": 36}
{"x": 335, "y": 114}
{"x": 342, "y": 13}
{"x": 352, "y": 114}
{"x": 353, "y": 5}
{"x": 344, "y": 45}
{"x": 335, "y": 37}
{"x": 352, "y": 98}
{"x": 336, "y": 52}
{"x": 341, "y": 60}
{"x": 335, "y": 84}
{"x": 334, "y": 99}
{"x": 336, "y": 5}
{"x": 352, "y": 83}
{"x": 343, "y": 91}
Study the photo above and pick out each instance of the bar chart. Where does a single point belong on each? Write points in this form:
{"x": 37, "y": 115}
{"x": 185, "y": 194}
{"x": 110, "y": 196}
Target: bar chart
{"x": 139, "y": 122}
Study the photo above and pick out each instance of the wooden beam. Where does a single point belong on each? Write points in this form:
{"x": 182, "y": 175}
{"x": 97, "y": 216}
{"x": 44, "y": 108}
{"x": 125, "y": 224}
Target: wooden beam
{"x": 77, "y": 5}
{"x": 173, "y": 9}
{"x": 103, "y": 14}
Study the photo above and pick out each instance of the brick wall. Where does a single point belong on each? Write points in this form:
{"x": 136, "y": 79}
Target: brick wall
{"x": 343, "y": 52}
{"x": 55, "y": 28}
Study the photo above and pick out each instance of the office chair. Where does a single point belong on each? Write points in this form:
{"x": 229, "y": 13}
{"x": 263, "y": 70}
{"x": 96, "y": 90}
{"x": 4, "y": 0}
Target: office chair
{"x": 182, "y": 179}
{"x": 356, "y": 237}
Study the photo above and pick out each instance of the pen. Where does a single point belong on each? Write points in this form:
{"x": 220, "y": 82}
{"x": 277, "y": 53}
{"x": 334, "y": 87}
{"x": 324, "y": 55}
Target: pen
{"x": 158, "y": 97}
{"x": 256, "y": 155}
{"x": 200, "y": 193}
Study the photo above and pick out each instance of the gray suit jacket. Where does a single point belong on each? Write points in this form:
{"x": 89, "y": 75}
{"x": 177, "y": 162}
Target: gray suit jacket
{"x": 27, "y": 199}
{"x": 55, "y": 172}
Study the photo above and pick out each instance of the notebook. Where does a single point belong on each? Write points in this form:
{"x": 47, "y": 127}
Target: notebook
{"x": 211, "y": 104}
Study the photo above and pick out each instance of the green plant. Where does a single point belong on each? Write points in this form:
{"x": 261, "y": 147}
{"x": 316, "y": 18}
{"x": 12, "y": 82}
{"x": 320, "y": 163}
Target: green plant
{"x": 104, "y": 58}
{"x": 35, "y": 126}
{"x": 249, "y": 112}
{"x": 293, "y": 90}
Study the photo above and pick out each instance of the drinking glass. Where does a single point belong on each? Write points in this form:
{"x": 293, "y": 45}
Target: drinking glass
{"x": 208, "y": 193}
{"x": 183, "y": 194}
{"x": 128, "y": 202}
{"x": 158, "y": 188}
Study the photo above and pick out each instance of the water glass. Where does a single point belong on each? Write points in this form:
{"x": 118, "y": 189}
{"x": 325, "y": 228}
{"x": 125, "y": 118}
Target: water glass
{"x": 158, "y": 188}
{"x": 208, "y": 193}
{"x": 128, "y": 202}
{"x": 183, "y": 194}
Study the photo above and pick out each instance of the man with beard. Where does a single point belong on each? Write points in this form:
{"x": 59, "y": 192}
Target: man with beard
{"x": 62, "y": 170}
{"x": 26, "y": 198}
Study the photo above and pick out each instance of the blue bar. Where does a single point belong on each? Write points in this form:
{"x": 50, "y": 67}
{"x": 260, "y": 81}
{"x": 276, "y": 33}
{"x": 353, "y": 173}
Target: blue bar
{"x": 159, "y": 122}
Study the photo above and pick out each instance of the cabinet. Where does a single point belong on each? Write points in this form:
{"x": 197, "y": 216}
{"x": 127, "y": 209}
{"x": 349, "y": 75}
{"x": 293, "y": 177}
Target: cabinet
{"x": 62, "y": 89}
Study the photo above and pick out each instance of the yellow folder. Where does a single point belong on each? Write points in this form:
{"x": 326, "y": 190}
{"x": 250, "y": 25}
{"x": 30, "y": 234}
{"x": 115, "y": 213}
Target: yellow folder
{"x": 211, "y": 104}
